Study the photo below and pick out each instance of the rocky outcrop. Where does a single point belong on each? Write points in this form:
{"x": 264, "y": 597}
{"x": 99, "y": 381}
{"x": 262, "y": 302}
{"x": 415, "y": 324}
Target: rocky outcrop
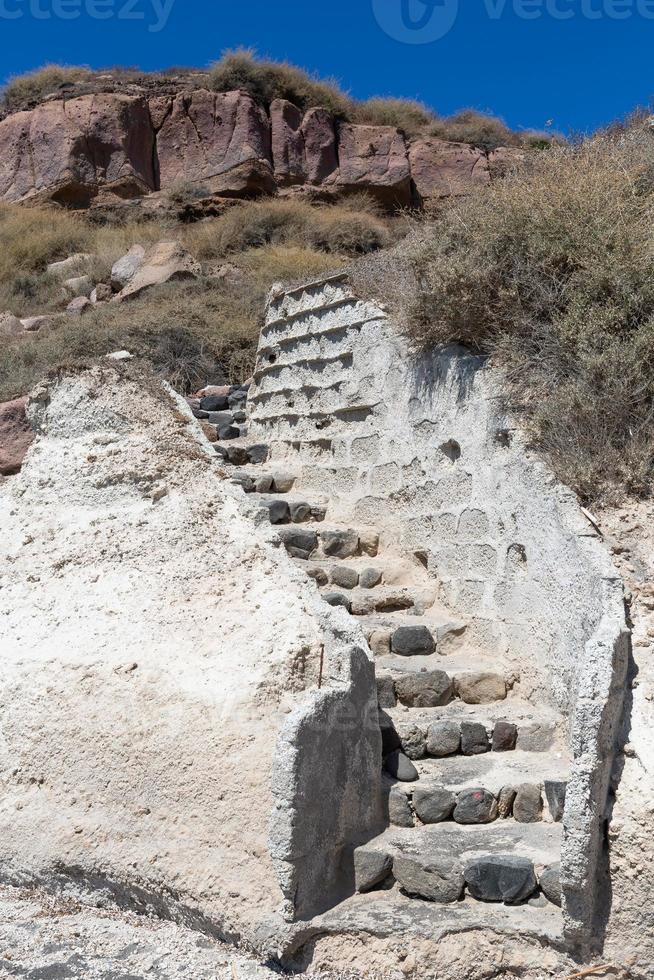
{"x": 161, "y": 263}
{"x": 16, "y": 436}
{"x": 110, "y": 146}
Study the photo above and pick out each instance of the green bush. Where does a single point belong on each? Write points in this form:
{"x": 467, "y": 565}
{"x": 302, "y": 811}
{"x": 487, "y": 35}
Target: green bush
{"x": 551, "y": 272}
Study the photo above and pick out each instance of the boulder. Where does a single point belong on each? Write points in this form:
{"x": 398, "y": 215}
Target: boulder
{"x": 443, "y": 738}
{"x": 499, "y": 878}
{"x": 475, "y": 806}
{"x": 400, "y": 767}
{"x": 370, "y": 578}
{"x": 67, "y": 267}
{"x": 339, "y": 544}
{"x": 426, "y": 689}
{"x": 374, "y": 159}
{"x": 442, "y": 169}
{"x": 482, "y": 688}
{"x": 69, "y": 151}
{"x": 219, "y": 139}
{"x": 550, "y": 883}
{"x": 301, "y": 512}
{"x": 409, "y": 641}
{"x": 434, "y": 879}
{"x": 299, "y": 542}
{"x": 10, "y": 325}
{"x": 278, "y": 511}
{"x": 163, "y": 262}
{"x": 434, "y": 805}
{"x": 344, "y": 576}
{"x": 16, "y": 436}
{"x": 337, "y": 599}
{"x": 474, "y": 738}
{"x": 528, "y": 804}
{"x": 79, "y": 306}
{"x": 412, "y": 739}
{"x": 505, "y": 736}
{"x": 124, "y": 270}
{"x": 371, "y": 868}
{"x": 35, "y": 323}
{"x": 400, "y": 813}
{"x": 214, "y": 403}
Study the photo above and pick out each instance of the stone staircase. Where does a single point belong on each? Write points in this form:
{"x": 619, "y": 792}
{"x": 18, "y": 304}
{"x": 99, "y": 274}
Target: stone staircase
{"x": 473, "y": 774}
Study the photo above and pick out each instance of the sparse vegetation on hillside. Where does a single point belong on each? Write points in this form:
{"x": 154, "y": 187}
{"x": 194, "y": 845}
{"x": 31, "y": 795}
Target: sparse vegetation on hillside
{"x": 406, "y": 114}
{"x": 34, "y": 86}
{"x": 551, "y": 272}
{"x": 190, "y": 332}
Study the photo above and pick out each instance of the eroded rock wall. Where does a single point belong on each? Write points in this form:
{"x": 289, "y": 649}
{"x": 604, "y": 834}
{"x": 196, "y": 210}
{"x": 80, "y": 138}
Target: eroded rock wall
{"x": 156, "y": 644}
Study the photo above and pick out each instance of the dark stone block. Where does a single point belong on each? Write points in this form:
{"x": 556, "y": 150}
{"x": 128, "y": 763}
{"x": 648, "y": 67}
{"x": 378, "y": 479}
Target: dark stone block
{"x": 443, "y": 738}
{"x": 278, "y": 511}
{"x": 258, "y": 453}
{"x": 434, "y": 805}
{"x": 397, "y": 765}
{"x": 474, "y": 738}
{"x": 300, "y": 542}
{"x": 550, "y": 883}
{"x": 371, "y": 868}
{"x": 436, "y": 880}
{"x": 475, "y": 806}
{"x": 409, "y": 641}
{"x": 337, "y": 599}
{"x": 300, "y": 512}
{"x": 214, "y": 403}
{"x": 505, "y": 736}
{"x": 528, "y": 804}
{"x": 555, "y": 795}
{"x": 339, "y": 544}
{"x": 228, "y": 432}
{"x": 498, "y": 878}
{"x": 426, "y": 689}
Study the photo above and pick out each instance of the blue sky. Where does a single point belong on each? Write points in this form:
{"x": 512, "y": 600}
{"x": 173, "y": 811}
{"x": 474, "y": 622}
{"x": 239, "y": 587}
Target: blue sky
{"x": 576, "y": 63}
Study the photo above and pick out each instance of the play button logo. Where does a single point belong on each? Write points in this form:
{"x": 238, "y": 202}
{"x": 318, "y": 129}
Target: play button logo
{"x": 416, "y": 21}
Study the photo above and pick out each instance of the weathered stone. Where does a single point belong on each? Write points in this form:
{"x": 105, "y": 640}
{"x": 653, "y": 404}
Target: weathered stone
{"x": 500, "y": 878}
{"x": 67, "y": 267}
{"x": 101, "y": 293}
{"x": 244, "y": 481}
{"x": 369, "y": 543}
{"x": 443, "y": 738}
{"x": 277, "y": 511}
{"x": 162, "y": 263}
{"x": 337, "y": 599}
{"x": 236, "y": 455}
{"x": 550, "y": 883}
{"x": 370, "y": 578}
{"x": 125, "y": 268}
{"x": 16, "y": 436}
{"x": 505, "y": 801}
{"x": 371, "y": 868}
{"x": 228, "y": 432}
{"x": 79, "y": 306}
{"x": 319, "y": 575}
{"x": 400, "y": 813}
{"x": 218, "y": 139}
{"x": 426, "y": 689}
{"x": 386, "y": 691}
{"x": 10, "y": 325}
{"x": 533, "y": 737}
{"x": 283, "y": 482}
{"x": 505, "y": 736}
{"x": 443, "y": 169}
{"x": 434, "y": 805}
{"x": 257, "y": 453}
{"x": 214, "y": 403}
{"x": 79, "y": 286}
{"x": 299, "y": 542}
{"x": 70, "y": 150}
{"x": 474, "y": 738}
{"x": 412, "y": 738}
{"x": 209, "y": 430}
{"x": 475, "y": 806}
{"x": 380, "y": 642}
{"x": 339, "y": 544}
{"x": 483, "y": 688}
{"x": 397, "y": 765}
{"x": 33, "y": 324}
{"x": 344, "y": 576}
{"x": 434, "y": 879}
{"x": 320, "y": 152}
{"x": 408, "y": 641}
{"x": 300, "y": 512}
{"x": 555, "y": 795}
{"x": 263, "y": 483}
{"x": 374, "y": 158}
{"x": 287, "y": 143}
{"x": 528, "y": 804}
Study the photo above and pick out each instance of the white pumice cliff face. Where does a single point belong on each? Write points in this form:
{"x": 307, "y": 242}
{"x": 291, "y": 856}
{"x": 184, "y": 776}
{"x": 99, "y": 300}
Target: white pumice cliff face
{"x": 347, "y": 686}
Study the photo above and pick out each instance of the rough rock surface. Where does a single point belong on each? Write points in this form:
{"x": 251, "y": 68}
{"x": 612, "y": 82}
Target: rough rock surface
{"x": 144, "y": 717}
{"x": 16, "y": 436}
{"x": 161, "y": 263}
{"x": 442, "y": 169}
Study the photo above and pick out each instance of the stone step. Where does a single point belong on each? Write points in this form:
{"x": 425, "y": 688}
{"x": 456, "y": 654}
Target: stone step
{"x": 239, "y": 452}
{"x": 364, "y": 602}
{"x": 291, "y": 508}
{"x": 538, "y": 728}
{"x": 255, "y": 480}
{"x": 504, "y": 863}
{"x": 415, "y": 640}
{"x": 330, "y": 542}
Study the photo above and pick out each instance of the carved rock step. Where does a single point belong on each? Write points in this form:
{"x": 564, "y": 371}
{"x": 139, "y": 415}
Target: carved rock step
{"x": 256, "y": 480}
{"x": 363, "y": 602}
{"x": 539, "y": 728}
{"x": 360, "y": 572}
{"x": 505, "y": 863}
{"x": 239, "y": 452}
{"x": 290, "y": 508}
{"x": 329, "y": 542}
{"x": 410, "y": 642}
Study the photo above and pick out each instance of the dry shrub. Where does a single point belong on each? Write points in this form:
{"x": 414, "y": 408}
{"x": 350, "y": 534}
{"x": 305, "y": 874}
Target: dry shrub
{"x": 27, "y": 90}
{"x": 256, "y": 223}
{"x": 552, "y": 273}
{"x": 409, "y": 115}
{"x": 268, "y": 80}
{"x": 469, "y": 126}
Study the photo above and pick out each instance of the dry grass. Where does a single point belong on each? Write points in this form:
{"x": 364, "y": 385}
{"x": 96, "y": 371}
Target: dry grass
{"x": 552, "y": 273}
{"x": 32, "y": 88}
{"x": 412, "y": 117}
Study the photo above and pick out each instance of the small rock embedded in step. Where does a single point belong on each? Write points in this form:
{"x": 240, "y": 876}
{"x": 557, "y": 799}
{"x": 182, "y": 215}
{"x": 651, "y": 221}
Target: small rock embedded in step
{"x": 214, "y": 403}
{"x": 528, "y": 804}
{"x": 436, "y": 880}
{"x": 371, "y": 868}
{"x": 475, "y": 806}
{"x": 337, "y": 599}
{"x": 409, "y": 641}
{"x": 228, "y": 432}
{"x": 344, "y": 576}
{"x": 370, "y": 578}
{"x": 505, "y": 737}
{"x": 283, "y": 482}
{"x": 339, "y": 544}
{"x": 481, "y": 688}
{"x": 369, "y": 543}
{"x": 550, "y": 883}
{"x": 412, "y": 739}
{"x": 220, "y": 418}
{"x": 278, "y": 511}
{"x": 300, "y": 512}
{"x": 428, "y": 689}
{"x": 299, "y": 542}
{"x": 443, "y": 738}
{"x": 318, "y": 574}
{"x": 263, "y": 483}
{"x": 396, "y": 764}
{"x": 244, "y": 481}
{"x": 555, "y": 795}
{"x": 499, "y": 878}
{"x": 505, "y": 802}
{"x": 474, "y": 738}
{"x": 434, "y": 805}
{"x": 386, "y": 697}
{"x": 258, "y": 453}
{"x": 380, "y": 642}
{"x": 400, "y": 813}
